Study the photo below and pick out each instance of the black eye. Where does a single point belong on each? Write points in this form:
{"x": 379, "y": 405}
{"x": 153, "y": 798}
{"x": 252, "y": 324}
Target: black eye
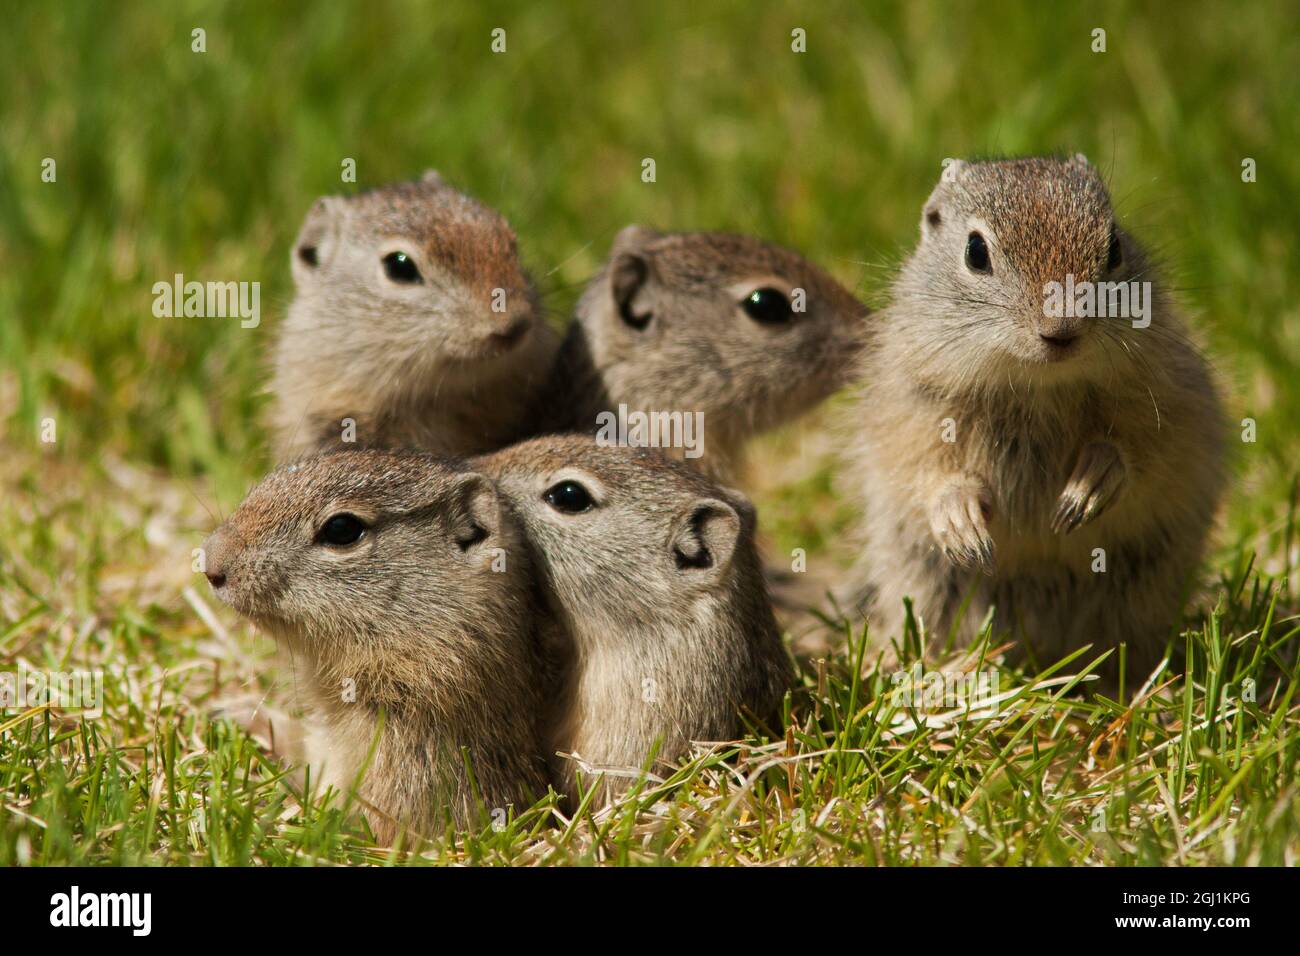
{"x": 308, "y": 255}
{"x": 569, "y": 497}
{"x": 1114, "y": 255}
{"x": 769, "y": 306}
{"x": 399, "y": 267}
{"x": 340, "y": 530}
{"x": 977, "y": 254}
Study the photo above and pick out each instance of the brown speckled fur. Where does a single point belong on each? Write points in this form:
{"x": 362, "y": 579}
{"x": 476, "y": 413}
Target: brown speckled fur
{"x": 627, "y": 610}
{"x": 426, "y": 365}
{"x": 699, "y": 351}
{"x": 442, "y": 648}
{"x": 1118, "y": 445}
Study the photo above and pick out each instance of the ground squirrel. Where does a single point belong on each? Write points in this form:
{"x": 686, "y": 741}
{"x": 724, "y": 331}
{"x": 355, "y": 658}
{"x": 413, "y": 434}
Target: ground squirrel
{"x": 1061, "y": 468}
{"x": 655, "y": 585}
{"x": 744, "y": 331}
{"x": 412, "y": 318}
{"x": 399, "y": 585}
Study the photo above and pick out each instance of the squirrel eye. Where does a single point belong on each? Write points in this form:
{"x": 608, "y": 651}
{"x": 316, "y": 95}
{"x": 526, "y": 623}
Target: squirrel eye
{"x": 308, "y": 255}
{"x": 568, "y": 497}
{"x": 340, "y": 530}
{"x": 768, "y": 306}
{"x": 1115, "y": 254}
{"x": 977, "y": 254}
{"x": 399, "y": 267}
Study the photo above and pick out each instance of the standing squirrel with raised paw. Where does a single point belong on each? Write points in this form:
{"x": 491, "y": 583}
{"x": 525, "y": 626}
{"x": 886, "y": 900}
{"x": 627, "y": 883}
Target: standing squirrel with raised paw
{"x": 1062, "y": 468}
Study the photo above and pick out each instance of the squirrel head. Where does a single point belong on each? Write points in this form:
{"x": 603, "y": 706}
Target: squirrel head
{"x": 729, "y": 325}
{"x": 629, "y": 537}
{"x": 369, "y": 551}
{"x": 433, "y": 274}
{"x": 1003, "y": 244}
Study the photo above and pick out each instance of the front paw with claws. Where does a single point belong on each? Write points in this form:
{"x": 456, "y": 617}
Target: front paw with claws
{"x": 1096, "y": 482}
{"x": 959, "y": 522}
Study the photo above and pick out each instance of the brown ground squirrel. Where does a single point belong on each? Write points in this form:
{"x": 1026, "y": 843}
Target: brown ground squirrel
{"x": 413, "y": 318}
{"x": 664, "y": 626}
{"x": 1064, "y": 469}
{"x": 382, "y": 575}
{"x": 744, "y": 331}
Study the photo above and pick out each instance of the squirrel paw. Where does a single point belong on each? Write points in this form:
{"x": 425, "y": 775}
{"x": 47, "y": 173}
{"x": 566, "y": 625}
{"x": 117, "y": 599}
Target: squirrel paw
{"x": 246, "y": 711}
{"x": 1097, "y": 479}
{"x": 959, "y": 522}
{"x": 278, "y": 732}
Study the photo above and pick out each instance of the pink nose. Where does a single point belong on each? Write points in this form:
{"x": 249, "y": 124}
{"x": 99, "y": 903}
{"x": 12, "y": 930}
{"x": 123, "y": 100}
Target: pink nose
{"x": 512, "y": 332}
{"x": 217, "y": 555}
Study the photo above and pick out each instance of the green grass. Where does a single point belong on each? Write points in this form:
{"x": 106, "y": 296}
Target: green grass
{"x": 170, "y": 161}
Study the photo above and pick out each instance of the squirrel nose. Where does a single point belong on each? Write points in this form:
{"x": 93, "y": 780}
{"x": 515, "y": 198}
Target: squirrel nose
{"x": 512, "y": 331}
{"x": 1059, "y": 330}
{"x": 216, "y": 556}
{"x": 1060, "y": 339}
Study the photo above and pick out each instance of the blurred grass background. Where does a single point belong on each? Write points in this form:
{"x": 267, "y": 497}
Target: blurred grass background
{"x": 171, "y": 161}
{"x": 204, "y": 164}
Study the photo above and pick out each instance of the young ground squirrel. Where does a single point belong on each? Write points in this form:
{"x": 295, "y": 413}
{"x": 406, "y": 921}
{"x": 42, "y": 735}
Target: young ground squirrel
{"x": 382, "y": 575}
{"x": 741, "y": 330}
{"x": 664, "y": 626}
{"x": 413, "y": 319}
{"x": 1063, "y": 469}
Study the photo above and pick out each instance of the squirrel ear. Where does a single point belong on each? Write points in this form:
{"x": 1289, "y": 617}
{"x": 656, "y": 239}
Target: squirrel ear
{"x": 744, "y": 507}
{"x": 633, "y": 238}
{"x": 1079, "y": 159}
{"x": 629, "y": 275}
{"x": 315, "y": 240}
{"x": 628, "y": 272}
{"x": 474, "y": 512}
{"x": 932, "y": 215}
{"x": 704, "y": 537}
{"x": 433, "y": 178}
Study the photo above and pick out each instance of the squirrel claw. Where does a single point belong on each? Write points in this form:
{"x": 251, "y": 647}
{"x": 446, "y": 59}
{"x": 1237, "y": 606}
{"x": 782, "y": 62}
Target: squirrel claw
{"x": 959, "y": 522}
{"x": 1097, "y": 479}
